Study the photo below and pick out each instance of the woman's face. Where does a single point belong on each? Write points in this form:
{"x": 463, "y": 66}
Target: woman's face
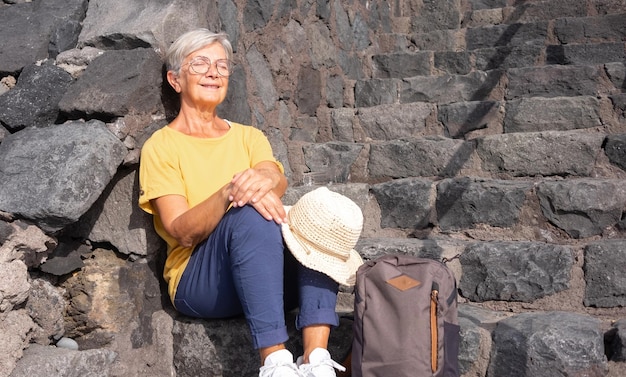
{"x": 196, "y": 89}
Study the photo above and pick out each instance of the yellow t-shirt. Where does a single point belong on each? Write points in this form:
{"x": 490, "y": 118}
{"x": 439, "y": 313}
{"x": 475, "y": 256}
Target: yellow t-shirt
{"x": 175, "y": 163}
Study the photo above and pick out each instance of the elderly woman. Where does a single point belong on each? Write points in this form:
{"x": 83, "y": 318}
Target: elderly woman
{"x": 215, "y": 190}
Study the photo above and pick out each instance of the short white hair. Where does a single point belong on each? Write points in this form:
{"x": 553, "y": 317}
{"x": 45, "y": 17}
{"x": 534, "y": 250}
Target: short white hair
{"x": 192, "y": 41}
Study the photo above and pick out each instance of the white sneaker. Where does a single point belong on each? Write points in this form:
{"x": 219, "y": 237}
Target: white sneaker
{"x": 279, "y": 364}
{"x": 320, "y": 365}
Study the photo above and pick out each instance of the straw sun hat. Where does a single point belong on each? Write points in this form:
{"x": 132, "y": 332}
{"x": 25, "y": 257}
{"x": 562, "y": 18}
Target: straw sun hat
{"x": 323, "y": 229}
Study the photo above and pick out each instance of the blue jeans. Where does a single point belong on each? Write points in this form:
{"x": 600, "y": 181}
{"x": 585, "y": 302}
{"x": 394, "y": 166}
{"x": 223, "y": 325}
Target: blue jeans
{"x": 244, "y": 268}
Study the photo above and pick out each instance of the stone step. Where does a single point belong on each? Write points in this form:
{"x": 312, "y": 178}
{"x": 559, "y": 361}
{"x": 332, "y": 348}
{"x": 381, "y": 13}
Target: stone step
{"x": 518, "y": 155}
{"x": 601, "y": 80}
{"x": 517, "y": 271}
{"x": 502, "y": 45}
{"x": 402, "y": 65}
{"x": 220, "y": 345}
{"x": 498, "y": 27}
{"x": 535, "y": 270}
{"x": 542, "y": 210}
{"x": 464, "y": 119}
{"x": 525, "y": 11}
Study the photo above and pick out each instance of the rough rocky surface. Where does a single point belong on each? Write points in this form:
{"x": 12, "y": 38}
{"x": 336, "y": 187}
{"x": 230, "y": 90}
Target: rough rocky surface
{"x": 44, "y": 175}
{"x": 548, "y": 344}
{"x": 490, "y": 134}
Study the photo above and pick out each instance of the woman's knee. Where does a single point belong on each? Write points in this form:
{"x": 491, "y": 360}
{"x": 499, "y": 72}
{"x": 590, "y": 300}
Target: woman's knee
{"x": 252, "y": 236}
{"x": 248, "y": 220}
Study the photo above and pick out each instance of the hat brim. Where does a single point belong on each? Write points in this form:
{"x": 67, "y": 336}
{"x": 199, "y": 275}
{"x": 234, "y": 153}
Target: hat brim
{"x": 306, "y": 253}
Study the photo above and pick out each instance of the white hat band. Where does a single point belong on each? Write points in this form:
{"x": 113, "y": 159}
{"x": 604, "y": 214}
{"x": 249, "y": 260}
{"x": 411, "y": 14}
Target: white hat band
{"x": 307, "y": 243}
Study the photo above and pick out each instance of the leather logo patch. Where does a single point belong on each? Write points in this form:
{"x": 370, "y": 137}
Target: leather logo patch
{"x": 403, "y": 282}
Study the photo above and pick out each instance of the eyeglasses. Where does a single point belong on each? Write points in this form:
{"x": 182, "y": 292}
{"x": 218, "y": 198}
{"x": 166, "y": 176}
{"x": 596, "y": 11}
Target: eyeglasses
{"x": 201, "y": 65}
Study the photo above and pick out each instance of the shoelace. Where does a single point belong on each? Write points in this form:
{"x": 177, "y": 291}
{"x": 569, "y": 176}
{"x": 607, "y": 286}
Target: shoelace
{"x": 268, "y": 371}
{"x": 308, "y": 369}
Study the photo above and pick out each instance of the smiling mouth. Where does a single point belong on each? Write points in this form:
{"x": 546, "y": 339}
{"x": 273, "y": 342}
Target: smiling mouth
{"x": 210, "y": 86}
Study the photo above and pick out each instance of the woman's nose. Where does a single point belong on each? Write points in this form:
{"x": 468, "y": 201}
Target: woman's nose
{"x": 212, "y": 71}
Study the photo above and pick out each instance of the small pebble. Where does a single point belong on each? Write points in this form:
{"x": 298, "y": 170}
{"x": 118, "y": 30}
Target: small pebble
{"x": 67, "y": 343}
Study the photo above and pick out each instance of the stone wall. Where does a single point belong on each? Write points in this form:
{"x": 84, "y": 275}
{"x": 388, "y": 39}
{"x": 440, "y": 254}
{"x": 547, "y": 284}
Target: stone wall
{"x": 487, "y": 133}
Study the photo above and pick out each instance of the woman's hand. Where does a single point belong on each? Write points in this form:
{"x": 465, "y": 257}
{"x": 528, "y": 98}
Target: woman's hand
{"x": 249, "y": 186}
{"x": 261, "y": 186}
{"x": 271, "y": 208}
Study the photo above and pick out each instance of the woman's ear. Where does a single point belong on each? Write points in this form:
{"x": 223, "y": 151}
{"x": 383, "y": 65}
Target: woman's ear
{"x": 172, "y": 78}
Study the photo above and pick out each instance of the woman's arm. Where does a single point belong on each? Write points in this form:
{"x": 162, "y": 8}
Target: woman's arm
{"x": 261, "y": 186}
{"x": 190, "y": 226}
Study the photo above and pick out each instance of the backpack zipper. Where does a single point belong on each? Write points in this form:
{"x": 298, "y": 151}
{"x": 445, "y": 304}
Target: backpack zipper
{"x": 434, "y": 334}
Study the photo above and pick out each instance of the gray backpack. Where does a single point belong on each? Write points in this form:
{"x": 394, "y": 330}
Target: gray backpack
{"x": 405, "y": 319}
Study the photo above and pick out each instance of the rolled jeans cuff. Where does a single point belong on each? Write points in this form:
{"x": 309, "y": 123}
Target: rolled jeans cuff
{"x": 270, "y": 338}
{"x": 318, "y": 317}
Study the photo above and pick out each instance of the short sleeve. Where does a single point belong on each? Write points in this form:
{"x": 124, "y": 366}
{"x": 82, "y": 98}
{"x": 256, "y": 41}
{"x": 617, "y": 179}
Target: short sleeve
{"x": 159, "y": 174}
